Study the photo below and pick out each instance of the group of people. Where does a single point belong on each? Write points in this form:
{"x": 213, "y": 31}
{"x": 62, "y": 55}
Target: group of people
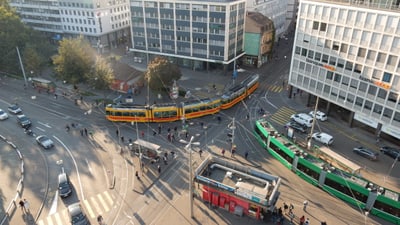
{"x": 278, "y": 214}
{"x": 24, "y": 204}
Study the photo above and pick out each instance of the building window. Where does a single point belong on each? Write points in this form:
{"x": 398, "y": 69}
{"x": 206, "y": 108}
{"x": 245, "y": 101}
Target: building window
{"x": 359, "y": 101}
{"x": 310, "y": 54}
{"x": 335, "y": 46}
{"x": 323, "y": 27}
{"x": 368, "y": 105}
{"x": 327, "y": 89}
{"x": 345, "y": 80}
{"x": 396, "y": 116}
{"x": 350, "y": 98}
{"x": 371, "y": 55}
{"x": 381, "y": 57}
{"x": 357, "y": 68}
{"x": 340, "y": 63}
{"x": 317, "y": 56}
{"x": 372, "y": 90}
{"x": 392, "y": 60}
{"x": 332, "y": 61}
{"x": 393, "y": 97}
{"x": 315, "y": 25}
{"x": 361, "y": 52}
{"x": 378, "y": 109}
{"x": 382, "y": 93}
{"x": 349, "y": 66}
{"x": 344, "y": 48}
{"x": 388, "y": 113}
{"x": 338, "y": 77}
{"x": 325, "y": 58}
{"x": 329, "y": 75}
{"x": 304, "y": 52}
{"x": 387, "y": 77}
{"x": 363, "y": 87}
{"x": 297, "y": 51}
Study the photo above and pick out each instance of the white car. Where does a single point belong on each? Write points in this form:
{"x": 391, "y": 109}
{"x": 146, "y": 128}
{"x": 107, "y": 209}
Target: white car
{"x": 323, "y": 138}
{"x": 45, "y": 142}
{"x": 14, "y": 109}
{"x": 319, "y": 115}
{"x": 3, "y": 115}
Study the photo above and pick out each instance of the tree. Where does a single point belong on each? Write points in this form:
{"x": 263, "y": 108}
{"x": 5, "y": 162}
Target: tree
{"x": 161, "y": 73}
{"x": 102, "y": 75}
{"x": 74, "y": 60}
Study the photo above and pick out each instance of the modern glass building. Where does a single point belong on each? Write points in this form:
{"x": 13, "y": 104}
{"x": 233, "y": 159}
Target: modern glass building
{"x": 195, "y": 34}
{"x": 347, "y": 53}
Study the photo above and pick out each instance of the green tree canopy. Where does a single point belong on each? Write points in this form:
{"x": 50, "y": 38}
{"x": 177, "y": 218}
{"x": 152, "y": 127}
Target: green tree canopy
{"x": 74, "y": 60}
{"x": 161, "y": 73}
{"x": 102, "y": 75}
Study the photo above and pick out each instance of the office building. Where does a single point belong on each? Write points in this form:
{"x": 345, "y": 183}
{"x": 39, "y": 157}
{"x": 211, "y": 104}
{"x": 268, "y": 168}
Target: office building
{"x": 104, "y": 23}
{"x": 194, "y": 34}
{"x": 347, "y": 54}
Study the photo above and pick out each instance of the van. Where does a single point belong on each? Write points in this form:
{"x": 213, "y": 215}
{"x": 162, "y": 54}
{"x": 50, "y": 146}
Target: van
{"x": 323, "y": 138}
{"x": 303, "y": 119}
{"x": 64, "y": 187}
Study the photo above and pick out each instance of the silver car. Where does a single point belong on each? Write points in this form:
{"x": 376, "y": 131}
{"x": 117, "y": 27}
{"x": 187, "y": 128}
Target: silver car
{"x": 366, "y": 153}
{"x": 45, "y": 142}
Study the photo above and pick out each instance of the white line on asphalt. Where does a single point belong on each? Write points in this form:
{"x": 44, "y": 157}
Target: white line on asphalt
{"x": 88, "y": 165}
{"x": 76, "y": 166}
{"x": 44, "y": 124}
{"x": 41, "y": 129}
{"x": 53, "y": 208}
{"x": 265, "y": 97}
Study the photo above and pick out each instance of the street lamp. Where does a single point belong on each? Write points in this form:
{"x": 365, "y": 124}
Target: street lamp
{"x": 309, "y": 137}
{"x": 189, "y": 147}
{"x": 232, "y": 127}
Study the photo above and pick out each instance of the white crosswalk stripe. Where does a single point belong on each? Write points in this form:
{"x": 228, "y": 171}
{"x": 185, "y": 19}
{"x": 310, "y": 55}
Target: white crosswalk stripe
{"x": 93, "y": 206}
{"x": 282, "y": 116}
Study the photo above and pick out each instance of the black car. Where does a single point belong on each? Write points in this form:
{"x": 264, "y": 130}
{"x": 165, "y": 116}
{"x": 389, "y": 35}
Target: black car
{"x": 296, "y": 126}
{"x": 64, "y": 185}
{"x": 24, "y": 121}
{"x": 392, "y": 152}
{"x": 77, "y": 216}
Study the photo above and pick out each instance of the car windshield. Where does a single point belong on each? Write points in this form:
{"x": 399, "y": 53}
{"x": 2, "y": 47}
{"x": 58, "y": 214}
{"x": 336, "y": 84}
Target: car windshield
{"x": 78, "y": 218}
{"x": 64, "y": 186}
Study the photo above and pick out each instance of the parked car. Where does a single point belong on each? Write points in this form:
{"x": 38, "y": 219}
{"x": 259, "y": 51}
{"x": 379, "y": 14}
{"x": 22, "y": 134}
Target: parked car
{"x": 365, "y": 152}
{"x": 303, "y": 119}
{"x": 24, "y": 121}
{"x": 319, "y": 115}
{"x": 14, "y": 109}
{"x": 44, "y": 141}
{"x": 296, "y": 126}
{"x": 3, "y": 115}
{"x": 76, "y": 214}
{"x": 64, "y": 186}
{"x": 323, "y": 138}
{"x": 392, "y": 152}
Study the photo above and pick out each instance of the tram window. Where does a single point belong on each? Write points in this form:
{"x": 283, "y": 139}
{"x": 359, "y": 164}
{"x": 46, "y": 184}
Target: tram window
{"x": 126, "y": 113}
{"x": 202, "y": 108}
{"x": 281, "y": 152}
{"x": 386, "y": 208}
{"x": 261, "y": 135}
{"x": 308, "y": 171}
{"x": 346, "y": 190}
{"x": 118, "y": 113}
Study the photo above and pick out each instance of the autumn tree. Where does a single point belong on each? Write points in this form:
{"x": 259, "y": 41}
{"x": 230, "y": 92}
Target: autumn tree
{"x": 161, "y": 73}
{"x": 102, "y": 74}
{"x": 74, "y": 60}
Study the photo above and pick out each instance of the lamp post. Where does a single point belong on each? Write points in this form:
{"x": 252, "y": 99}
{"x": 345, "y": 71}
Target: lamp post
{"x": 189, "y": 147}
{"x": 232, "y": 127}
{"x": 313, "y": 124}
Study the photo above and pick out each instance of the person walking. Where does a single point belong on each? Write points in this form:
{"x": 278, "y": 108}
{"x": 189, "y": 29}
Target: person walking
{"x": 159, "y": 128}
{"x": 22, "y": 205}
{"x": 291, "y": 217}
{"x": 302, "y": 220}
{"x": 223, "y": 152}
{"x": 26, "y": 205}
{"x": 246, "y": 154}
{"x": 85, "y": 132}
{"x": 305, "y": 204}
{"x": 159, "y": 169}
{"x": 200, "y": 152}
{"x": 117, "y": 132}
{"x": 137, "y": 175}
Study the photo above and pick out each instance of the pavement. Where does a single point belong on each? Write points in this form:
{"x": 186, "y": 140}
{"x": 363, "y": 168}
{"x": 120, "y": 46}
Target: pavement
{"x": 201, "y": 85}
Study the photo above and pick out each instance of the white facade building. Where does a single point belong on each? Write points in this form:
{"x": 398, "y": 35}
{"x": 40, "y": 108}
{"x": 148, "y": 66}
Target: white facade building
{"x": 347, "y": 53}
{"x": 275, "y": 10}
{"x": 102, "y": 22}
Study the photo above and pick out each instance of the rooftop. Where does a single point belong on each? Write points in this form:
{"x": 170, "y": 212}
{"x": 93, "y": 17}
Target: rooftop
{"x": 391, "y": 5}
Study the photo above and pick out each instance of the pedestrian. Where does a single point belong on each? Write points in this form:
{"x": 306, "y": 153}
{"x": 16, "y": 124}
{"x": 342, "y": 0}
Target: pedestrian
{"x": 130, "y": 140}
{"x": 302, "y": 220}
{"x": 294, "y": 95}
{"x": 233, "y": 152}
{"x": 246, "y": 154}
{"x": 137, "y": 175}
{"x": 117, "y": 132}
{"x": 55, "y": 96}
{"x": 85, "y": 132}
{"x": 159, "y": 168}
{"x": 22, "y": 205}
{"x": 200, "y": 152}
{"x": 285, "y": 207}
{"x": 26, "y": 205}
{"x": 122, "y": 139}
{"x": 175, "y": 129}
{"x": 142, "y": 134}
{"x": 187, "y": 134}
{"x": 169, "y": 137}
{"x": 291, "y": 216}
{"x": 247, "y": 117}
{"x": 307, "y": 222}
{"x": 81, "y": 132}
{"x": 169, "y": 130}
{"x": 165, "y": 160}
{"x": 154, "y": 133}
{"x": 223, "y": 152}
{"x": 67, "y": 128}
{"x": 159, "y": 128}
{"x": 305, "y": 204}
{"x": 291, "y": 207}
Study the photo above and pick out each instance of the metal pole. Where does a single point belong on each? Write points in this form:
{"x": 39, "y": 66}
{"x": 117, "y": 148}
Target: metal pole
{"x": 22, "y": 66}
{"x": 233, "y": 133}
{"x": 313, "y": 124}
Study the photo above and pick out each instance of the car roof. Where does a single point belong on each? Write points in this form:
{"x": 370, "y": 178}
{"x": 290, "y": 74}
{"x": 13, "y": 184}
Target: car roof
{"x": 74, "y": 209}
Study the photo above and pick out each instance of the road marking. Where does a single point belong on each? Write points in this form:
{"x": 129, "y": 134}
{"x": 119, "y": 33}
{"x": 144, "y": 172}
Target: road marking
{"x": 58, "y": 218}
{"x": 108, "y": 197}
{"x": 40, "y": 222}
{"x": 44, "y": 124}
{"x": 90, "y": 168}
{"x": 96, "y": 205}
{"x": 89, "y": 209}
{"x": 103, "y": 203}
{"x": 53, "y": 208}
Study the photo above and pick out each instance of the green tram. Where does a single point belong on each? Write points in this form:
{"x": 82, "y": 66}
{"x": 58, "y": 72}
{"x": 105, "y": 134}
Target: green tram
{"x": 352, "y": 189}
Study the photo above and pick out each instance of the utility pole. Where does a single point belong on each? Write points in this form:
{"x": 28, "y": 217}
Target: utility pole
{"x": 232, "y": 127}
{"x": 22, "y": 66}
{"x": 309, "y": 137}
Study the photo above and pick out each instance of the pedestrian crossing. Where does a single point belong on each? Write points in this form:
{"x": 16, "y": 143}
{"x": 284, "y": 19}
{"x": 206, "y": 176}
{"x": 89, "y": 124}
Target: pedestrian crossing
{"x": 282, "y": 116}
{"x": 93, "y": 206}
{"x": 274, "y": 88}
